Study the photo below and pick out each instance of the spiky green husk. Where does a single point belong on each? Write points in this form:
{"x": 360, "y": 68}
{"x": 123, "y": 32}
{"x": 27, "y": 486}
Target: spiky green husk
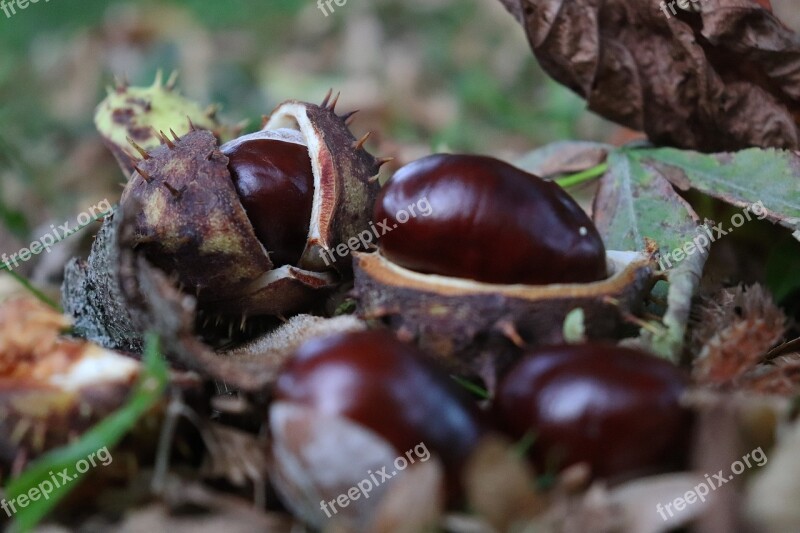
{"x": 140, "y": 113}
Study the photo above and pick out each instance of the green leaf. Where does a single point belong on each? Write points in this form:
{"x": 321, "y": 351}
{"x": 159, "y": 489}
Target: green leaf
{"x": 742, "y": 179}
{"x": 106, "y": 434}
{"x": 764, "y": 181}
{"x": 635, "y": 203}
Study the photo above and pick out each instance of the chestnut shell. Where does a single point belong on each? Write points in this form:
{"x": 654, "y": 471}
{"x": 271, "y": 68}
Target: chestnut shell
{"x": 616, "y": 408}
{"x": 488, "y": 221}
{"x": 140, "y": 113}
{"x": 477, "y": 328}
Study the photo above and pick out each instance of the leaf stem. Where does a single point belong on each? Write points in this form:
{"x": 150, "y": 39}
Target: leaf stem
{"x": 583, "y": 176}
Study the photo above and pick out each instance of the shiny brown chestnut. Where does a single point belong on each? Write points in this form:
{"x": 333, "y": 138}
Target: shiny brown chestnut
{"x": 386, "y": 386}
{"x": 275, "y": 184}
{"x": 487, "y": 221}
{"x": 615, "y": 408}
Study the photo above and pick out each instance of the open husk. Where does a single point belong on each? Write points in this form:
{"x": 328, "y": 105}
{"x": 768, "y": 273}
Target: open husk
{"x": 475, "y": 326}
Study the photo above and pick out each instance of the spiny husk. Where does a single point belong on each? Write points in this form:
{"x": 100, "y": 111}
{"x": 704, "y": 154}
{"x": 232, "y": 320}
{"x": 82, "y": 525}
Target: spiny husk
{"x": 192, "y": 224}
{"x": 138, "y": 114}
{"x": 734, "y": 332}
{"x": 344, "y": 184}
{"x": 477, "y": 327}
{"x": 147, "y": 299}
{"x": 183, "y": 214}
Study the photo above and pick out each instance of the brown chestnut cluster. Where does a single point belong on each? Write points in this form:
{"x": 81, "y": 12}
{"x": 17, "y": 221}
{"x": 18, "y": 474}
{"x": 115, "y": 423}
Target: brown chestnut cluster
{"x": 498, "y": 259}
{"x": 614, "y": 409}
{"x": 242, "y": 227}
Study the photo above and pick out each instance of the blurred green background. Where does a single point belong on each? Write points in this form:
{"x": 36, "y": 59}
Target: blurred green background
{"x": 427, "y": 74}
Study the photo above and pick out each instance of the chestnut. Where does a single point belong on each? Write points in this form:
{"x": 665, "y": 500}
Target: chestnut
{"x": 615, "y": 408}
{"x": 387, "y": 386}
{"x": 488, "y": 221}
{"x": 275, "y": 184}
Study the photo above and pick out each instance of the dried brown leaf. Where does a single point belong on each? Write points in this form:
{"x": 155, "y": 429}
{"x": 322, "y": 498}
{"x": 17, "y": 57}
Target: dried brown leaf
{"x": 592, "y": 512}
{"x": 717, "y": 75}
{"x": 30, "y": 334}
{"x": 51, "y": 387}
{"x": 499, "y": 485}
{"x": 773, "y": 495}
{"x": 236, "y": 456}
{"x": 420, "y": 490}
{"x": 728, "y": 426}
{"x": 638, "y": 502}
{"x": 563, "y": 157}
{"x": 194, "y": 508}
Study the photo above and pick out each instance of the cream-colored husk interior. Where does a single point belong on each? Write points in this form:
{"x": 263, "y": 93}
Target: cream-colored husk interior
{"x": 620, "y": 265}
{"x": 294, "y": 116}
